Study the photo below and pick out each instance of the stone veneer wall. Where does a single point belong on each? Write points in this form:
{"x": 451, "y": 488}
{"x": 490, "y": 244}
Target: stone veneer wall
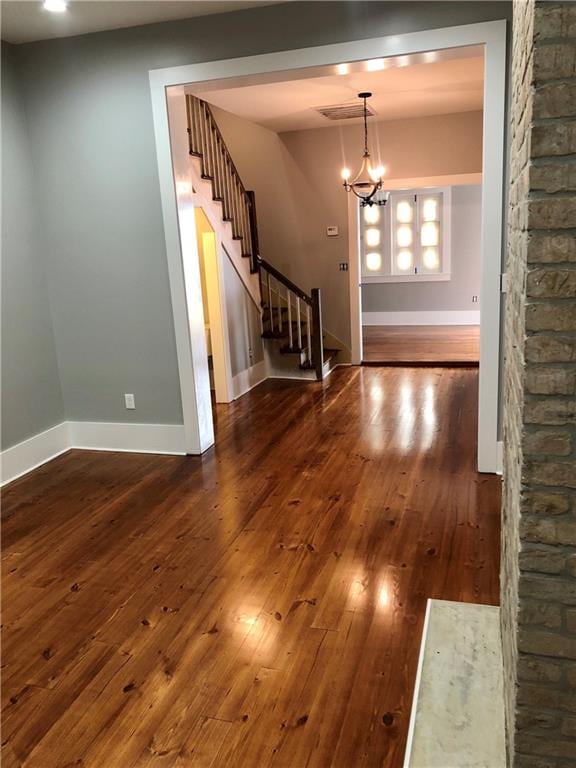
{"x": 539, "y": 506}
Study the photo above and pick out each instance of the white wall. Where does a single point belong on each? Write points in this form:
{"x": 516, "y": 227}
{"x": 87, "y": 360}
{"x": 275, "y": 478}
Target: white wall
{"x": 246, "y": 347}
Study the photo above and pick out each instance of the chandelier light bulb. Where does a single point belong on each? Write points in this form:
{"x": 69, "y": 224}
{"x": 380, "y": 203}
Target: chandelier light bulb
{"x": 375, "y": 65}
{"x": 345, "y": 174}
{"x": 376, "y": 173}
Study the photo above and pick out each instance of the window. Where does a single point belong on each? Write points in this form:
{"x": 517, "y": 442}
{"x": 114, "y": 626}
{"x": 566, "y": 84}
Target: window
{"x": 408, "y": 239}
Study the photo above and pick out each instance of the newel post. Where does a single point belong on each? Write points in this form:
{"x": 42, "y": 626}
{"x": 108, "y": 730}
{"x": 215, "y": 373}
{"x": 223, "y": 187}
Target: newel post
{"x": 255, "y": 246}
{"x": 317, "y": 343}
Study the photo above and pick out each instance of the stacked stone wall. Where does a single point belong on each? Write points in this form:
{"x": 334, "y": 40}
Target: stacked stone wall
{"x": 539, "y": 510}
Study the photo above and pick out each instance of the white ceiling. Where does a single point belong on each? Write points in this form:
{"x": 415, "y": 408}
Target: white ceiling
{"x": 434, "y": 83}
{"x": 25, "y": 20}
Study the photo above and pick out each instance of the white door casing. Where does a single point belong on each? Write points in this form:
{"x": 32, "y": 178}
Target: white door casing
{"x": 320, "y": 59}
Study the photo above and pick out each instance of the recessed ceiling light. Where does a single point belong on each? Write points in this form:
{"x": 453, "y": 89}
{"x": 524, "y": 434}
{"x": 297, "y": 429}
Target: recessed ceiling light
{"x": 375, "y": 65}
{"x": 56, "y": 6}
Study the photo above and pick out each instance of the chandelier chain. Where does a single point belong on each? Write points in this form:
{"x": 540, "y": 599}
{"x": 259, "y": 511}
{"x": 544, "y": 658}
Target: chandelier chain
{"x": 365, "y": 129}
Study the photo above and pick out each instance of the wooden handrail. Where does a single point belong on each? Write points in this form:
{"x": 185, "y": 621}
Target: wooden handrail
{"x": 206, "y": 142}
{"x": 214, "y": 125}
{"x": 285, "y": 281}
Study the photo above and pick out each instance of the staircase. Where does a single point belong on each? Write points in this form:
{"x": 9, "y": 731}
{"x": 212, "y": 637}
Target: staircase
{"x": 291, "y": 319}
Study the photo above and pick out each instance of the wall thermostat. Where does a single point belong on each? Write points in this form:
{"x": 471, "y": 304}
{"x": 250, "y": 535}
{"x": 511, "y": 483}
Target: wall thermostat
{"x": 332, "y": 231}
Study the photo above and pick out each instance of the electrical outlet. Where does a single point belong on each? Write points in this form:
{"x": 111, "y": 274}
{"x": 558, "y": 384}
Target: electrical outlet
{"x": 474, "y": 299}
{"x": 343, "y": 266}
{"x": 130, "y": 403}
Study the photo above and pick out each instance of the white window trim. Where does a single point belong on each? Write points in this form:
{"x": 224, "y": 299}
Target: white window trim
{"x": 421, "y": 277}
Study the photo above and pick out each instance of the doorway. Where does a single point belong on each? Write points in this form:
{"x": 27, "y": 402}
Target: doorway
{"x": 298, "y": 65}
{"x": 420, "y": 284}
{"x": 214, "y": 310}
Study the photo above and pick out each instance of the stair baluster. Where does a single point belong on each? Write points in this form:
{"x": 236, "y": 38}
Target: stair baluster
{"x": 298, "y": 322}
{"x": 226, "y": 191}
{"x": 217, "y": 190}
{"x": 189, "y": 107}
{"x": 270, "y": 310}
{"x": 246, "y": 245}
{"x": 279, "y": 307}
{"x": 209, "y": 146}
{"x": 237, "y": 217}
{"x": 290, "y": 332}
{"x": 233, "y": 206}
{"x": 203, "y": 142}
{"x": 192, "y": 127}
{"x": 308, "y": 335}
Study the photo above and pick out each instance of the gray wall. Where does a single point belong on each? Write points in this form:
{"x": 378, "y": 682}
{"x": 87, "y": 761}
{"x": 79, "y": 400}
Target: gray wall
{"x": 244, "y": 330}
{"x": 93, "y": 151}
{"x": 31, "y": 394}
{"x": 455, "y": 294}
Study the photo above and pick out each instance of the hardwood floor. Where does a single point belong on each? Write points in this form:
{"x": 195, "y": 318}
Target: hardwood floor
{"x": 259, "y": 606}
{"x": 434, "y": 344}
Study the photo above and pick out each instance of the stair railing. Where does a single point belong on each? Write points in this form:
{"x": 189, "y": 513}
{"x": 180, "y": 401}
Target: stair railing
{"x": 206, "y": 142}
{"x": 239, "y": 208}
{"x": 284, "y": 300}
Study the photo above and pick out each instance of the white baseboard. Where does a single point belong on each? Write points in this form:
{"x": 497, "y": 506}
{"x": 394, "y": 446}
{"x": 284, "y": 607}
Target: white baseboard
{"x": 246, "y": 380}
{"x": 135, "y": 438}
{"x": 33, "y": 452}
{"x": 452, "y": 317}
{"x": 307, "y": 375}
{"x": 92, "y": 435}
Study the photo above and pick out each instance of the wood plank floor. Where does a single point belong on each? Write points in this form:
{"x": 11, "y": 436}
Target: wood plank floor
{"x": 421, "y": 344}
{"x": 259, "y": 606}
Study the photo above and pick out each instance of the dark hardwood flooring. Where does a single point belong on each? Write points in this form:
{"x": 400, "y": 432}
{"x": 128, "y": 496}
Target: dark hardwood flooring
{"x": 259, "y": 606}
{"x": 423, "y": 344}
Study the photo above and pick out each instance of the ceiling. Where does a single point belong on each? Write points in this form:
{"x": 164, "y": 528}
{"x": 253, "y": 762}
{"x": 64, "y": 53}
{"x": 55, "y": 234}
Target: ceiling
{"x": 24, "y": 21}
{"x": 405, "y": 86}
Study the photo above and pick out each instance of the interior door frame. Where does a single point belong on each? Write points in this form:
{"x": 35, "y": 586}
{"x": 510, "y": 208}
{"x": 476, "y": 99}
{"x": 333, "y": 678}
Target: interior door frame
{"x": 275, "y": 66}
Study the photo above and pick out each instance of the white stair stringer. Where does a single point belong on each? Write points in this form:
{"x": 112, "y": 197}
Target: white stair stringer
{"x": 203, "y": 198}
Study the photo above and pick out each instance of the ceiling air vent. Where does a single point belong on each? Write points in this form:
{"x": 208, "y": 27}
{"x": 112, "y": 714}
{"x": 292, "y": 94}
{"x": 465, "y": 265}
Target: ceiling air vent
{"x": 344, "y": 111}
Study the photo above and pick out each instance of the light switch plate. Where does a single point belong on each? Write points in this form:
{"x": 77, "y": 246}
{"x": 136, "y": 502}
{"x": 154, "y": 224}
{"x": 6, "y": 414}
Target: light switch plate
{"x": 130, "y": 402}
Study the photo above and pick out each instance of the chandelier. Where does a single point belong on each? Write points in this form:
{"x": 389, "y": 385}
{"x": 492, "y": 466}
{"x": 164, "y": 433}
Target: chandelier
{"x": 368, "y": 180}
